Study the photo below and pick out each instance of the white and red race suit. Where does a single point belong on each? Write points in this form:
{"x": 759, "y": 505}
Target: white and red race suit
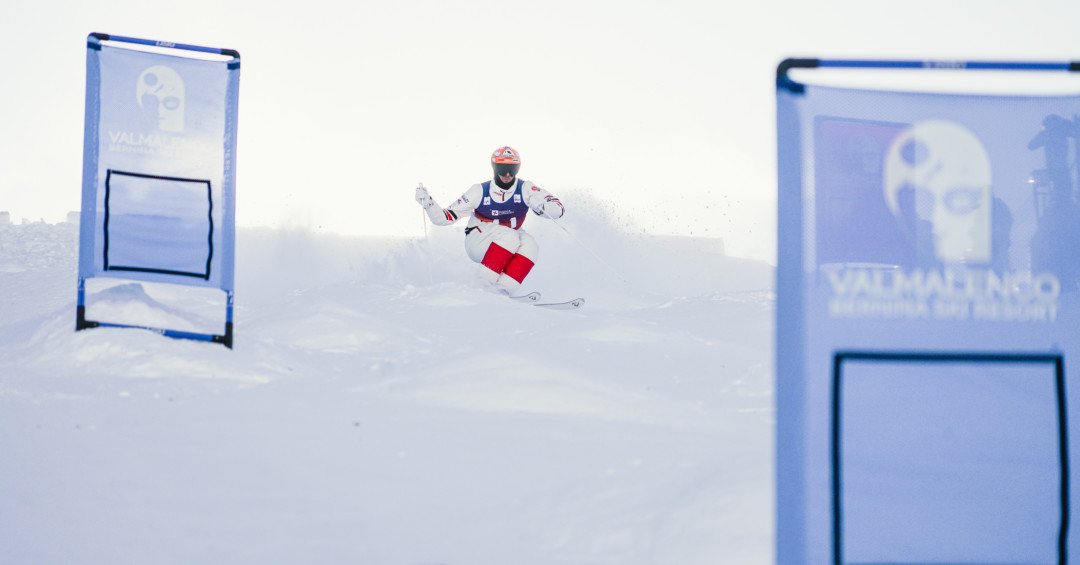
{"x": 493, "y": 236}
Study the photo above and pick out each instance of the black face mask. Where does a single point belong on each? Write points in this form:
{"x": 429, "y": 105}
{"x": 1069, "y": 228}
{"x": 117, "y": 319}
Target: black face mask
{"x": 504, "y": 185}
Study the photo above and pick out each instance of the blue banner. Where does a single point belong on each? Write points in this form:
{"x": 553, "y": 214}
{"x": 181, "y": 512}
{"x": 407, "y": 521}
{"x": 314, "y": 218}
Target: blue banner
{"x": 927, "y": 295}
{"x": 158, "y": 195}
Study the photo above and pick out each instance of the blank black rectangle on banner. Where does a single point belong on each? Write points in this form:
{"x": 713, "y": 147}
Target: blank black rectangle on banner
{"x": 158, "y": 224}
{"x": 949, "y": 457}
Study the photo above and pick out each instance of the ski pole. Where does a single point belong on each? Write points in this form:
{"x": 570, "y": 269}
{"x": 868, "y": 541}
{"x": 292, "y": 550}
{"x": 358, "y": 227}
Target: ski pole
{"x": 591, "y": 252}
{"x": 423, "y": 216}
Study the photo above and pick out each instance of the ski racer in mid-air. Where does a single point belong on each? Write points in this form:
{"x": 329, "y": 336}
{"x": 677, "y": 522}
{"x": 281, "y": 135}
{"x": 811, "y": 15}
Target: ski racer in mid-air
{"x": 496, "y": 209}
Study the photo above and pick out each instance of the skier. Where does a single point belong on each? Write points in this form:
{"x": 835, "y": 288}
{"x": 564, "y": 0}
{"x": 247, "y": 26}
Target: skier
{"x": 497, "y": 208}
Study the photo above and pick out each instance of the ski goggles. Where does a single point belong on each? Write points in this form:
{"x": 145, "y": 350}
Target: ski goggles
{"x": 502, "y": 169}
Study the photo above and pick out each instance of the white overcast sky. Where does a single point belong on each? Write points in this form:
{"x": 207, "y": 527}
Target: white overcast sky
{"x": 666, "y": 107}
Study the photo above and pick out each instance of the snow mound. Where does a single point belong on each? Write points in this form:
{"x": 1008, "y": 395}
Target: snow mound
{"x": 380, "y": 407}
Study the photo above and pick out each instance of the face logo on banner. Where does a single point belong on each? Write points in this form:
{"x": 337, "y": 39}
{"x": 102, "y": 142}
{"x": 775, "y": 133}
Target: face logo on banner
{"x": 946, "y": 170}
{"x": 160, "y": 91}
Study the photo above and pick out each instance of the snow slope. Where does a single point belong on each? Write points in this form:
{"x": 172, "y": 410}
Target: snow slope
{"x": 378, "y": 408}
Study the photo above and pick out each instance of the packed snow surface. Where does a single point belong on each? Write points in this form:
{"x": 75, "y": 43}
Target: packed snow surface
{"x": 380, "y": 407}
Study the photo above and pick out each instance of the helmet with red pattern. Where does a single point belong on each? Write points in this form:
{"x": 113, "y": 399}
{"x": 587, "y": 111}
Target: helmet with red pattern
{"x": 505, "y": 160}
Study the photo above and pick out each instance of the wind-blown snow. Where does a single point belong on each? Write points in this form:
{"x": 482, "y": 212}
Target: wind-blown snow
{"x": 379, "y": 408}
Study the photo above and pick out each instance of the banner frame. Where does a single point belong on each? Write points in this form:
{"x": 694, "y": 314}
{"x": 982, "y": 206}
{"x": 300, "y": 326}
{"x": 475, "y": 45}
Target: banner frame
{"x": 793, "y": 542}
{"x": 90, "y": 164}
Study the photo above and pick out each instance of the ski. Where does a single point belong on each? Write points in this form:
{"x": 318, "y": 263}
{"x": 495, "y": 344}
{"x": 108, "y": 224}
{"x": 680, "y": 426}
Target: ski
{"x": 568, "y": 305}
{"x": 534, "y": 299}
